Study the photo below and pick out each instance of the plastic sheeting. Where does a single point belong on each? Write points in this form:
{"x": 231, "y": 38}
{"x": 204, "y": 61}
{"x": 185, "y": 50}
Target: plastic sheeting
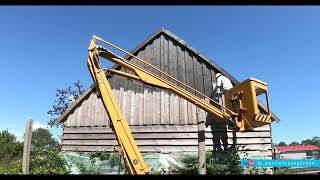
{"x": 158, "y": 163}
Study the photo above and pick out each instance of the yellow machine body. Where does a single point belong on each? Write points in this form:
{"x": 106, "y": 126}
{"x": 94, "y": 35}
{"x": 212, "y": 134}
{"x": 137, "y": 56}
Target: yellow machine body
{"x": 243, "y": 99}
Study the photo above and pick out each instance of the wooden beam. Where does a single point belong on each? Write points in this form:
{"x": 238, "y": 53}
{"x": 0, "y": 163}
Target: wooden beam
{"x": 26, "y": 147}
{"x": 201, "y": 146}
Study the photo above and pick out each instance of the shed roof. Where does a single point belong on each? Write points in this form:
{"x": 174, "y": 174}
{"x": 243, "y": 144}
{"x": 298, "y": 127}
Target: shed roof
{"x": 166, "y": 32}
{"x": 296, "y": 148}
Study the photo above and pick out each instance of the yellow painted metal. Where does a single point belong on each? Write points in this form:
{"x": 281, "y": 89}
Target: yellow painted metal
{"x": 241, "y": 101}
{"x": 242, "y": 98}
{"x": 121, "y": 128}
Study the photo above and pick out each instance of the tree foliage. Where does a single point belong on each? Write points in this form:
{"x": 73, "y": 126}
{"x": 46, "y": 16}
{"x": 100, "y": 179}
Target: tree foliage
{"x": 44, "y": 158}
{"x": 48, "y": 161}
{"x": 294, "y": 143}
{"x": 216, "y": 164}
{"x": 10, "y": 148}
{"x": 313, "y": 141}
{"x": 42, "y": 140}
{"x": 64, "y": 97}
{"x": 282, "y": 144}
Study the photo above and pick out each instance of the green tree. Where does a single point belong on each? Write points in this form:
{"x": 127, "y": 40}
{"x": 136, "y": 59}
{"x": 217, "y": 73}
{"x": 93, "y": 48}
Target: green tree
{"x": 313, "y": 141}
{"x": 45, "y": 157}
{"x": 10, "y": 148}
{"x": 48, "y": 161}
{"x": 294, "y": 143}
{"x": 282, "y": 144}
{"x": 64, "y": 97}
{"x": 10, "y": 153}
{"x": 42, "y": 140}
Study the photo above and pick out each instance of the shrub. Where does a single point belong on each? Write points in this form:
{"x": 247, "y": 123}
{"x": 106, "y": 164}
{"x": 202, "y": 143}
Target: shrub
{"x": 227, "y": 163}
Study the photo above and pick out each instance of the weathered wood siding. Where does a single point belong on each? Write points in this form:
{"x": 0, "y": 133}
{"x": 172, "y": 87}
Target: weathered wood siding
{"x": 160, "y": 120}
{"x": 168, "y": 138}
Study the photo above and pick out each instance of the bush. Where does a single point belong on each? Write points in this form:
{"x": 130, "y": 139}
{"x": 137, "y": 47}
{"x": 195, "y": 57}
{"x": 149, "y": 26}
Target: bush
{"x": 11, "y": 168}
{"x": 255, "y": 170}
{"x": 283, "y": 171}
{"x": 228, "y": 163}
{"x": 48, "y": 162}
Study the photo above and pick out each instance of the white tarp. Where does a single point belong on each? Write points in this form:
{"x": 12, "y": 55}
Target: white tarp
{"x": 157, "y": 162}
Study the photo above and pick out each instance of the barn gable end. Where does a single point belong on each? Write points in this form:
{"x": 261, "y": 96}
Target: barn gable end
{"x": 160, "y": 120}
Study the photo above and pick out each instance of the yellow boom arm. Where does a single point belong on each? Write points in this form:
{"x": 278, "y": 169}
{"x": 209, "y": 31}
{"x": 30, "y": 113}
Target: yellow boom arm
{"x": 241, "y": 101}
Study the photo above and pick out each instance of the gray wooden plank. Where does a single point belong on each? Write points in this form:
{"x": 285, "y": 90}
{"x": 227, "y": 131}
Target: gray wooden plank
{"x": 71, "y": 119}
{"x": 165, "y": 107}
{"x": 157, "y": 91}
{"x": 198, "y": 76}
{"x": 207, "y": 82}
{"x": 86, "y": 121}
{"x": 133, "y": 118}
{"x": 149, "y": 149}
{"x": 100, "y": 110}
{"x": 165, "y": 100}
{"x": 260, "y": 137}
{"x": 189, "y": 61}
{"x": 153, "y": 104}
{"x": 127, "y": 101}
{"x": 69, "y": 122}
{"x": 155, "y": 128}
{"x": 85, "y": 112}
{"x": 81, "y": 113}
{"x": 95, "y": 111}
{"x": 148, "y": 105}
{"x": 170, "y": 142}
{"x": 92, "y": 111}
{"x": 207, "y": 85}
{"x": 157, "y": 55}
{"x": 122, "y": 86}
{"x": 150, "y": 97}
{"x": 173, "y": 61}
{"x": 140, "y": 98}
{"x": 190, "y": 81}
{"x": 183, "y": 109}
{"x": 149, "y": 56}
{"x": 140, "y": 104}
{"x": 174, "y": 99}
{"x": 165, "y": 56}
{"x": 80, "y": 116}
{"x": 146, "y": 99}
{"x": 181, "y": 65}
{"x": 158, "y": 105}
{"x": 201, "y": 117}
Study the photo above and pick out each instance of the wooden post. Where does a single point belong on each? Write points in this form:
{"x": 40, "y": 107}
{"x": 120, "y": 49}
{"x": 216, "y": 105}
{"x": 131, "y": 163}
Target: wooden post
{"x": 201, "y": 145}
{"x": 26, "y": 147}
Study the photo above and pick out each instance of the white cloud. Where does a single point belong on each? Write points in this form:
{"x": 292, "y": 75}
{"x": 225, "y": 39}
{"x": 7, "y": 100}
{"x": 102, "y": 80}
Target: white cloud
{"x": 37, "y": 125}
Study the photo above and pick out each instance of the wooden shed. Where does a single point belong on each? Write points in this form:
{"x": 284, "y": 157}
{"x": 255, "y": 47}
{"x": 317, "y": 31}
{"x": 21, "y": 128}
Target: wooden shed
{"x": 161, "y": 122}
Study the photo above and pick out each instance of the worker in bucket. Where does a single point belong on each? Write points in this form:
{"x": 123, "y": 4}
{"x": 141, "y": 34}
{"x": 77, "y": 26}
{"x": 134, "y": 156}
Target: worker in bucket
{"x": 223, "y": 84}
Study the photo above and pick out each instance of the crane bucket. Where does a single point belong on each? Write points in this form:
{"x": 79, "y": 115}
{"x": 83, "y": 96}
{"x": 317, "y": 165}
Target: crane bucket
{"x": 244, "y": 99}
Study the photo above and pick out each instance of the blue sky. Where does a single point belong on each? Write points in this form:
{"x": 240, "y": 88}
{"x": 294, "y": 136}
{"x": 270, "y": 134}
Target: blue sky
{"x": 44, "y": 48}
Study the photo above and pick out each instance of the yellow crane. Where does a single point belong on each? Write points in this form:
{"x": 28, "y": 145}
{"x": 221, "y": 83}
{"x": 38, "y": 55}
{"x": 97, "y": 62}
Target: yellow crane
{"x": 241, "y": 106}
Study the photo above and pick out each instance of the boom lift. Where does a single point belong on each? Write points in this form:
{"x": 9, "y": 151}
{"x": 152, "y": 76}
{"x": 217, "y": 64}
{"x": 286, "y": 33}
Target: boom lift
{"x": 241, "y": 107}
